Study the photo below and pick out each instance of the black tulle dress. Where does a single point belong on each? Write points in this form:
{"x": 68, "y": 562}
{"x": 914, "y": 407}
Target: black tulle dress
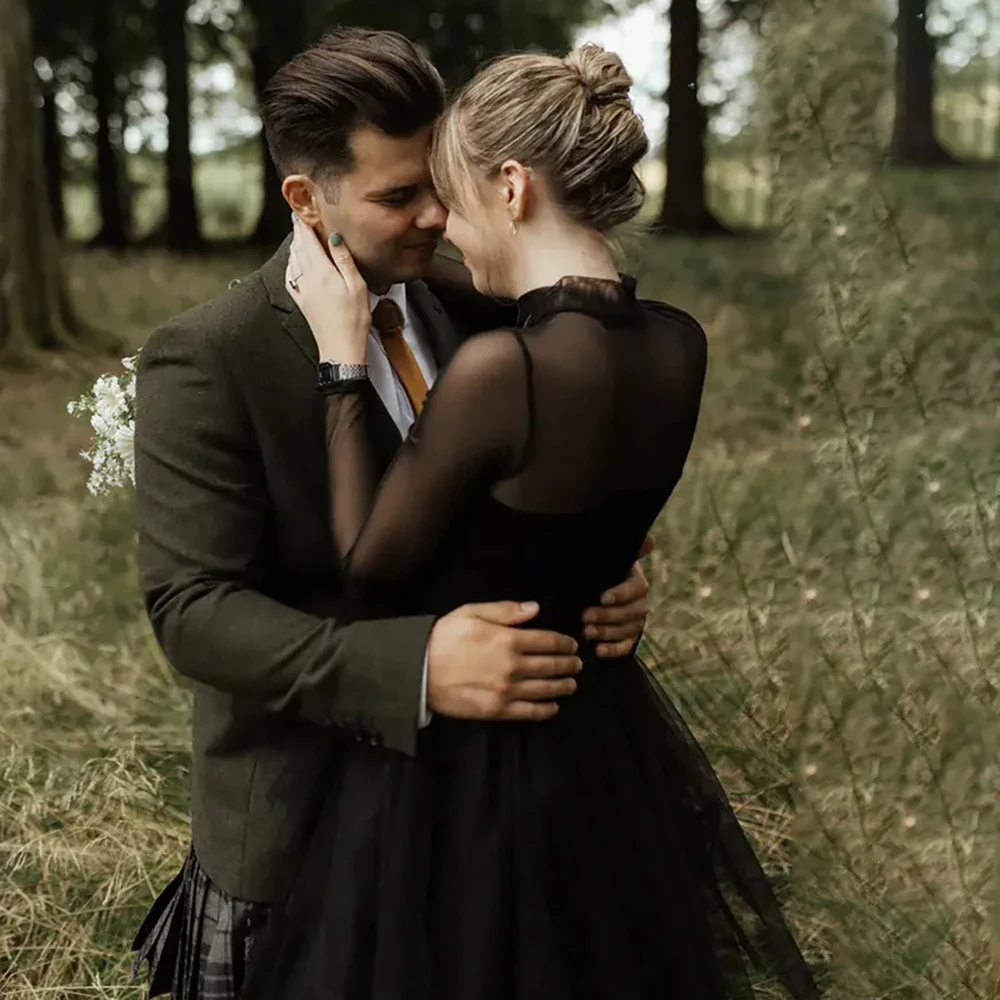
{"x": 590, "y": 857}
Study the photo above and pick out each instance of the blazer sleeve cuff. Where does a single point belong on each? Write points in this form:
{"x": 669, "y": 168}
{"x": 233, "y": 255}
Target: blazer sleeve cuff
{"x": 387, "y": 684}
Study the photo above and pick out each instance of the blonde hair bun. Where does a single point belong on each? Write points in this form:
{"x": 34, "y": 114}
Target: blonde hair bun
{"x": 567, "y": 115}
{"x": 602, "y": 73}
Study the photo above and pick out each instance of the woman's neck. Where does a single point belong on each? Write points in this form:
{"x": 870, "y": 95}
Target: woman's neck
{"x": 549, "y": 253}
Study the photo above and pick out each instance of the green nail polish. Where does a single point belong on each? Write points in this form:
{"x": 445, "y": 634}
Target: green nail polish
{"x": 335, "y": 239}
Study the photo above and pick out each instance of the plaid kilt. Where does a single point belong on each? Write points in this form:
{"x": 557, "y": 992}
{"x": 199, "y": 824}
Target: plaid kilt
{"x": 197, "y": 939}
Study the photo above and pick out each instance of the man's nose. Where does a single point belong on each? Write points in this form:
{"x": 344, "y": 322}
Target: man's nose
{"x": 433, "y": 214}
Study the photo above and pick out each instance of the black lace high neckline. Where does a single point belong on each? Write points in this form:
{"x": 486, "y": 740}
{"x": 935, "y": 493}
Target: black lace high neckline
{"x": 602, "y": 298}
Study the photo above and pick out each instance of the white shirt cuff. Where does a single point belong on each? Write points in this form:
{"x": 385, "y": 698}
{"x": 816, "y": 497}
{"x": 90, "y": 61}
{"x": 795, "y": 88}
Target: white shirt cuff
{"x": 425, "y": 716}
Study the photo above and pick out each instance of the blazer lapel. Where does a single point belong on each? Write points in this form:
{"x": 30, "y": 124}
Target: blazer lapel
{"x": 385, "y": 433}
{"x": 292, "y": 321}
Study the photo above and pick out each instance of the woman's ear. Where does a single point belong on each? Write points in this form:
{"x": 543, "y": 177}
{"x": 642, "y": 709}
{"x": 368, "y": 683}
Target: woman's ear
{"x": 301, "y": 194}
{"x": 516, "y": 188}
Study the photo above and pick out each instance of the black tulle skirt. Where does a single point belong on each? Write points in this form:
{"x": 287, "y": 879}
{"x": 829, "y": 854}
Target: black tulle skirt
{"x": 590, "y": 857}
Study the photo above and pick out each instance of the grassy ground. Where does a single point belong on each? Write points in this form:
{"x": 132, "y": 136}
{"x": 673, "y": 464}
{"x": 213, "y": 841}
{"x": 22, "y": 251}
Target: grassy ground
{"x": 825, "y": 614}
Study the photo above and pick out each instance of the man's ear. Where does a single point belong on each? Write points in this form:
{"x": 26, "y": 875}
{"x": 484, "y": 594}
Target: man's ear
{"x": 303, "y": 197}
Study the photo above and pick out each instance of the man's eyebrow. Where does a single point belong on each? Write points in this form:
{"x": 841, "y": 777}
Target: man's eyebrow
{"x": 395, "y": 189}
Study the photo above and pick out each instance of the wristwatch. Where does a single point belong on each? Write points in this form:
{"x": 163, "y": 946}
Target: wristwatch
{"x": 332, "y": 377}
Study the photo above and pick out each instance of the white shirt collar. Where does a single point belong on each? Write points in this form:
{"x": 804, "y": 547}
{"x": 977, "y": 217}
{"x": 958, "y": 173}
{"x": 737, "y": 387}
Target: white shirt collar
{"x": 398, "y": 295}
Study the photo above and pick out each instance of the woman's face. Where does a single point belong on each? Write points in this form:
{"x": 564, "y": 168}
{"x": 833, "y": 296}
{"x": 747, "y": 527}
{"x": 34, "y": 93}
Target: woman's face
{"x": 481, "y": 229}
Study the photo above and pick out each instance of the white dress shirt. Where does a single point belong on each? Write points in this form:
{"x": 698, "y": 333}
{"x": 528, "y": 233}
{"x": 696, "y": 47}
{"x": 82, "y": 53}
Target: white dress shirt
{"x": 394, "y": 398}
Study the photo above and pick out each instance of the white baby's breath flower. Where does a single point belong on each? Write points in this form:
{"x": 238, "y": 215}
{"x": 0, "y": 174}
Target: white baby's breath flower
{"x": 704, "y": 592}
{"x": 125, "y": 447}
{"x": 110, "y": 405}
{"x": 101, "y": 425}
{"x": 109, "y": 399}
{"x": 840, "y": 231}
{"x": 922, "y": 594}
{"x": 809, "y": 593}
{"x": 805, "y": 420}
{"x": 933, "y": 486}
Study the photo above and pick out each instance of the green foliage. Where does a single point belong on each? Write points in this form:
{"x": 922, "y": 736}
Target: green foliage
{"x": 460, "y": 34}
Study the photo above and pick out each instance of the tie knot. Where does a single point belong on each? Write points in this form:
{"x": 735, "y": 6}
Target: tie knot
{"x": 387, "y": 318}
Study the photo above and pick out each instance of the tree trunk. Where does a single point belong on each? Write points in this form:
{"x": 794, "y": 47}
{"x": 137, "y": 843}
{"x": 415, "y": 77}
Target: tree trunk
{"x": 280, "y": 34}
{"x": 913, "y": 135}
{"x": 52, "y": 157}
{"x": 34, "y": 311}
{"x": 111, "y": 195}
{"x": 182, "y": 229}
{"x": 685, "y": 205}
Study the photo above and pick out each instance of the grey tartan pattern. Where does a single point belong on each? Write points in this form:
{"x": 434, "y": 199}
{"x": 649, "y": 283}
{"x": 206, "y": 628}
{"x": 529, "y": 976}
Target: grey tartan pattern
{"x": 197, "y": 939}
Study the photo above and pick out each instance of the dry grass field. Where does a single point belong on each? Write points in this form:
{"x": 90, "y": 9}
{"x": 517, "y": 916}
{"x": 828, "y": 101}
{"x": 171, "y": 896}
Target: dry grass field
{"x": 825, "y": 589}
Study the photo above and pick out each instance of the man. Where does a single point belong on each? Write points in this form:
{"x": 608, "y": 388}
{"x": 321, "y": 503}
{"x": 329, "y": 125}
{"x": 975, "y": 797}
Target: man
{"x": 239, "y": 571}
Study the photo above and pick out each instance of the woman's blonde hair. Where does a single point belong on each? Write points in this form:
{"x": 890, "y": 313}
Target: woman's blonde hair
{"x": 570, "y": 117}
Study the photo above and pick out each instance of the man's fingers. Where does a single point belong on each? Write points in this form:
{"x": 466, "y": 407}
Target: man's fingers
{"x": 611, "y": 633}
{"x": 541, "y": 690}
{"x": 529, "y": 711}
{"x": 615, "y": 649}
{"x": 616, "y": 614}
{"x": 530, "y": 667}
{"x": 628, "y": 590}
{"x": 503, "y": 612}
{"x": 532, "y": 642}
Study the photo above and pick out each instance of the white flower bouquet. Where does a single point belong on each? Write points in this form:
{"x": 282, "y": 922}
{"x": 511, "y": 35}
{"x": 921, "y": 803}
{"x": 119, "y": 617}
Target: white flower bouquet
{"x": 110, "y": 404}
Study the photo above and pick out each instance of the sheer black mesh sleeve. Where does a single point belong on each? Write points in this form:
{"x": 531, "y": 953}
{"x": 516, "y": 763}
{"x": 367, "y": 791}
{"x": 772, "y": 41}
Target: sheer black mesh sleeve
{"x": 470, "y": 433}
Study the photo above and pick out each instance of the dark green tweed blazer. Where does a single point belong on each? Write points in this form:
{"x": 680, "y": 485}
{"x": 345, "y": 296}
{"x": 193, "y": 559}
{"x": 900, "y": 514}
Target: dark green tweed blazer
{"x": 240, "y": 575}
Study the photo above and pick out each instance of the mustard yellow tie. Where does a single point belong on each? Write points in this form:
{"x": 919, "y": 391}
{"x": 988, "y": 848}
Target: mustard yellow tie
{"x": 388, "y": 320}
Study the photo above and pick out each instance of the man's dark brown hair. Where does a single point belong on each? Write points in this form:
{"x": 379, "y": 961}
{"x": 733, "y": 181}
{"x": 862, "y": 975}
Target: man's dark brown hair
{"x": 353, "y": 77}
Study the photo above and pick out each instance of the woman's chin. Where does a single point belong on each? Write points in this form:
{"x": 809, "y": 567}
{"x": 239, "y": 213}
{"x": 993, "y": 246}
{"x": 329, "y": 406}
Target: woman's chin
{"x": 477, "y": 281}
{"x": 481, "y": 282}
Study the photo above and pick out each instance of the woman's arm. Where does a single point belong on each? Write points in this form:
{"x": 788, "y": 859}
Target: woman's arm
{"x": 471, "y": 432}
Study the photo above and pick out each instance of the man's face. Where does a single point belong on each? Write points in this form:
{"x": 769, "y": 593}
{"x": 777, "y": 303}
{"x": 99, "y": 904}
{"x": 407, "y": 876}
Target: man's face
{"x": 385, "y": 207}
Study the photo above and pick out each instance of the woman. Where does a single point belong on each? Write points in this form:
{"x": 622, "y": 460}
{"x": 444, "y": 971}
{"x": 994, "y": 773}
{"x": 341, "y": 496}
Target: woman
{"x": 589, "y": 856}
